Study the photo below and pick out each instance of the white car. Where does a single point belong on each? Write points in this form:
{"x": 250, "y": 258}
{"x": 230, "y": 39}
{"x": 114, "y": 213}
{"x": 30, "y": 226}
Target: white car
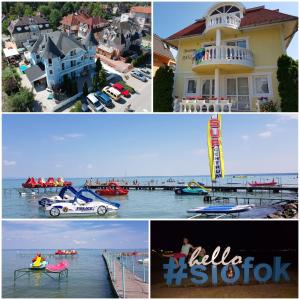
{"x": 85, "y": 202}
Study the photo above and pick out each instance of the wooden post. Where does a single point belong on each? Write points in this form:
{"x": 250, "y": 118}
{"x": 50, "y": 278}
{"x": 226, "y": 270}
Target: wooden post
{"x": 123, "y": 278}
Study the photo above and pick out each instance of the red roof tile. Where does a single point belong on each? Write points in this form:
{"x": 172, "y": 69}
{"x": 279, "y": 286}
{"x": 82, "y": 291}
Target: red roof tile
{"x": 253, "y": 16}
{"x": 141, "y": 9}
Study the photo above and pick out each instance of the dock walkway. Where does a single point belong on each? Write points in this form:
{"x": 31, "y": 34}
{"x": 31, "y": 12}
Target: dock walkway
{"x": 124, "y": 282}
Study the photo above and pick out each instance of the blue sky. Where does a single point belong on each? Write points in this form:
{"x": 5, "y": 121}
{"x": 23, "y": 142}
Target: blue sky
{"x": 144, "y": 145}
{"x": 170, "y": 17}
{"x": 75, "y": 234}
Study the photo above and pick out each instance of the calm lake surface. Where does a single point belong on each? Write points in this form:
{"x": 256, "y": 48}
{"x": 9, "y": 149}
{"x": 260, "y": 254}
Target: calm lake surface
{"x": 88, "y": 276}
{"x": 150, "y": 204}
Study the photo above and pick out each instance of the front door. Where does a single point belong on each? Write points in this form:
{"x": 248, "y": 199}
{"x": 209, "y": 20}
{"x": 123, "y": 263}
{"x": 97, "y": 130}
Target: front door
{"x": 238, "y": 93}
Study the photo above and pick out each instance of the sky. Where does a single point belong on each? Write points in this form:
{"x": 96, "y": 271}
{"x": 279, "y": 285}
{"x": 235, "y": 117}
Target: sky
{"x": 75, "y": 234}
{"x": 80, "y": 146}
{"x": 170, "y": 17}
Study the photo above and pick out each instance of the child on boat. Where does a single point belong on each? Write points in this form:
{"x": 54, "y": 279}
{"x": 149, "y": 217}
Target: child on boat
{"x": 185, "y": 249}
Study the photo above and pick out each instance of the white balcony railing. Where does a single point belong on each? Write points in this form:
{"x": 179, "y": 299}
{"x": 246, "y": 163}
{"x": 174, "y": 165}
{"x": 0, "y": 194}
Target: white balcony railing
{"x": 222, "y": 20}
{"x": 223, "y": 55}
{"x": 188, "y": 105}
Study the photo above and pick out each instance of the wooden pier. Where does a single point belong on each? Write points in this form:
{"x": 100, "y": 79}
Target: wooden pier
{"x": 214, "y": 188}
{"x": 123, "y": 280}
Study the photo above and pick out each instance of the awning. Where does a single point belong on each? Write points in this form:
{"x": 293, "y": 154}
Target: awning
{"x": 8, "y": 52}
{"x": 35, "y": 73}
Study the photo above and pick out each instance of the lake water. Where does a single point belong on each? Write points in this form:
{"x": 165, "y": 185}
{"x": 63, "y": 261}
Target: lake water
{"x": 150, "y": 204}
{"x": 88, "y": 276}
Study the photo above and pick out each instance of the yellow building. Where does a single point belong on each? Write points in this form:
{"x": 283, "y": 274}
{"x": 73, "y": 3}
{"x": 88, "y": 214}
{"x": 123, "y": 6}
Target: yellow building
{"x": 162, "y": 54}
{"x": 228, "y": 59}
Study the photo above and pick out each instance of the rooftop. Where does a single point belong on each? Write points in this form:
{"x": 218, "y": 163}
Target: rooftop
{"x": 161, "y": 48}
{"x": 256, "y": 16}
{"x": 141, "y": 9}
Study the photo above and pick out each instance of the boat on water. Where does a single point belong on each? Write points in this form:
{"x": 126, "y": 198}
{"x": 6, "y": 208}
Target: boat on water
{"x": 171, "y": 180}
{"x": 144, "y": 261}
{"x": 239, "y": 176}
{"x": 65, "y": 252}
{"x": 41, "y": 183}
{"x": 58, "y": 267}
{"x": 38, "y": 262}
{"x": 113, "y": 189}
{"x": 220, "y": 209}
{"x": 262, "y": 184}
{"x": 193, "y": 188}
{"x": 82, "y": 202}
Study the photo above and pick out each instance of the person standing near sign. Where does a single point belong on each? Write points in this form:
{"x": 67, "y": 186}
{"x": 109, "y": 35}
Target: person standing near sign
{"x": 185, "y": 249}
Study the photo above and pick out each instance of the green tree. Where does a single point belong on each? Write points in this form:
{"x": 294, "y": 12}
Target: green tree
{"x": 67, "y": 8}
{"x": 5, "y": 25}
{"x": 76, "y": 107}
{"x": 163, "y": 87}
{"x": 95, "y": 83}
{"x": 98, "y": 65}
{"x": 102, "y": 80}
{"x": 22, "y": 101}
{"x": 28, "y": 12}
{"x": 45, "y": 10}
{"x": 54, "y": 18}
{"x": 11, "y": 80}
{"x": 287, "y": 75}
{"x": 85, "y": 89}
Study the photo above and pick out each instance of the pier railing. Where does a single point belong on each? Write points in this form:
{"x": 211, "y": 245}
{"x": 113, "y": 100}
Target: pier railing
{"x": 123, "y": 275}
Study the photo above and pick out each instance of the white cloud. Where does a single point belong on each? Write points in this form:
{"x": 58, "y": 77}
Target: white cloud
{"x": 77, "y": 242}
{"x": 9, "y": 163}
{"x": 265, "y": 134}
{"x": 271, "y": 125}
{"x": 67, "y": 136}
{"x": 89, "y": 166}
{"x": 146, "y": 155}
{"x": 200, "y": 151}
{"x": 245, "y": 137}
{"x": 58, "y": 138}
{"x": 287, "y": 117}
{"x": 74, "y": 135}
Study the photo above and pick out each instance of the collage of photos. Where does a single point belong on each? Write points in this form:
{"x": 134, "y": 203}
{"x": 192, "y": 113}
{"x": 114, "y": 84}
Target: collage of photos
{"x": 149, "y": 149}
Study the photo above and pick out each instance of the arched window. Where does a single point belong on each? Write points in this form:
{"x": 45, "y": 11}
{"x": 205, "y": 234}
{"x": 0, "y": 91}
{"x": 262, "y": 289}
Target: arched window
{"x": 227, "y": 9}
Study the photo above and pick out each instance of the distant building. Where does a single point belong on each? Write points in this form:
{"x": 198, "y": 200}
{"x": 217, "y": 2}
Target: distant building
{"x": 28, "y": 29}
{"x": 123, "y": 32}
{"x": 57, "y": 54}
{"x": 162, "y": 54}
{"x": 143, "y": 12}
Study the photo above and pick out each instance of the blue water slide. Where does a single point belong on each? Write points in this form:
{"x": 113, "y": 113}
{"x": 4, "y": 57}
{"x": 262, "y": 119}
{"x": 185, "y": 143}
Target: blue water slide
{"x": 80, "y": 196}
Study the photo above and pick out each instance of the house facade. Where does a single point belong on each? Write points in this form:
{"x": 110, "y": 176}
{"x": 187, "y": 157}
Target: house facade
{"x": 230, "y": 57}
{"x": 123, "y": 32}
{"x": 28, "y": 29}
{"x": 162, "y": 54}
{"x": 81, "y": 24}
{"x": 142, "y": 12}
{"x": 61, "y": 54}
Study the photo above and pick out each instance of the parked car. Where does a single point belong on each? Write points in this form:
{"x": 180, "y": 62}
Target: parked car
{"x": 145, "y": 72}
{"x": 139, "y": 75}
{"x": 104, "y": 99}
{"x": 94, "y": 104}
{"x": 121, "y": 89}
{"x": 112, "y": 93}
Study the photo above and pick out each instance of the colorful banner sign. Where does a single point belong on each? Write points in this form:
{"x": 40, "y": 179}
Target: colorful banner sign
{"x": 215, "y": 148}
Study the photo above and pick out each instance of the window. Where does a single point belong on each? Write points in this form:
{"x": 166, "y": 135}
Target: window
{"x": 63, "y": 66}
{"x": 73, "y": 52}
{"x": 208, "y": 88}
{"x": 261, "y": 85}
{"x": 238, "y": 43}
{"x": 191, "y": 86}
{"x": 73, "y": 63}
{"x": 50, "y": 72}
{"x": 50, "y": 61}
{"x": 37, "y": 56}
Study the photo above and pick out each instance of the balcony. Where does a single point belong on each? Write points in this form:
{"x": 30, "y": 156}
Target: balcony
{"x": 230, "y": 57}
{"x": 224, "y": 20}
{"x": 197, "y": 105}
